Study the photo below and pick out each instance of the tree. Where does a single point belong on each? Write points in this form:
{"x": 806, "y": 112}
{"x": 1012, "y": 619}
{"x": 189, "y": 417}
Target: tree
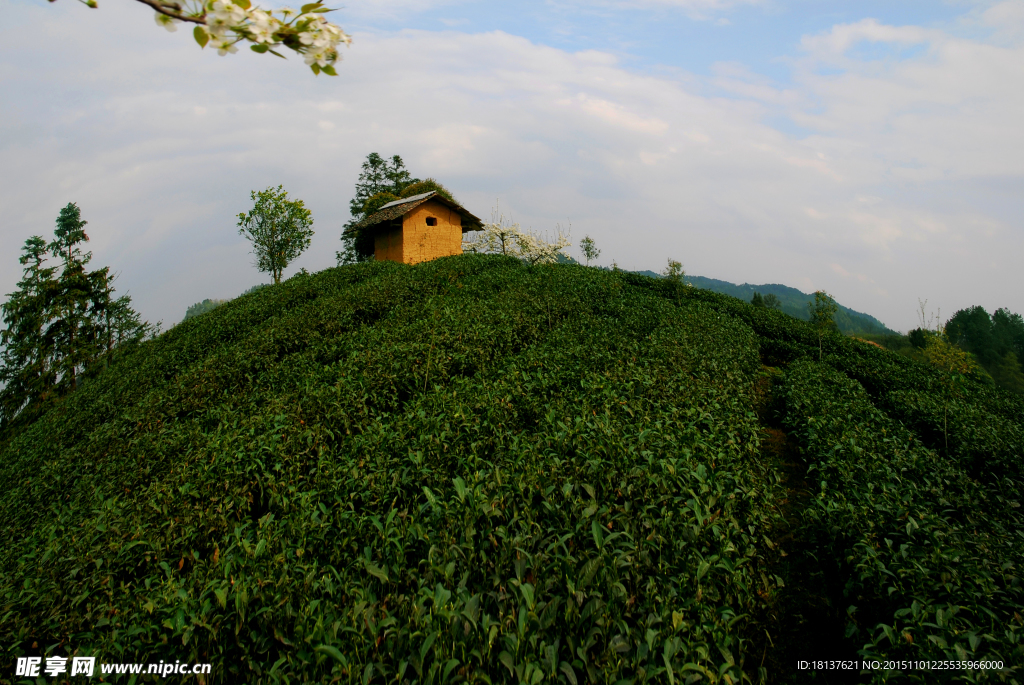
{"x": 1008, "y": 330}
{"x": 971, "y": 329}
{"x": 957, "y": 364}
{"x": 507, "y": 238}
{"x": 757, "y": 300}
{"x": 378, "y": 176}
{"x": 997, "y": 342}
{"x": 59, "y": 326}
{"x": 74, "y": 328}
{"x": 589, "y": 249}
{"x": 772, "y": 302}
{"x": 279, "y": 229}
{"x": 124, "y": 326}
{"x": 674, "y": 274}
{"x": 222, "y": 24}
{"x": 26, "y": 365}
{"x": 822, "y": 314}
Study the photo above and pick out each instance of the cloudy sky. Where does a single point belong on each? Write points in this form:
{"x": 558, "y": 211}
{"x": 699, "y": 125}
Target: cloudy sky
{"x": 871, "y": 149}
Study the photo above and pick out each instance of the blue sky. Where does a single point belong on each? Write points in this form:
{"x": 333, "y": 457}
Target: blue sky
{"x": 655, "y": 35}
{"x": 871, "y": 149}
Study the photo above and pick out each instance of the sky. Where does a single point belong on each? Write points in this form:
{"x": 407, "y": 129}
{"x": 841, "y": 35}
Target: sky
{"x": 874, "y": 150}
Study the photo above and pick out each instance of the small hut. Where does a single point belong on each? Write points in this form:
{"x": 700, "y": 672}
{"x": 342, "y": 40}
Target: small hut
{"x": 418, "y": 228}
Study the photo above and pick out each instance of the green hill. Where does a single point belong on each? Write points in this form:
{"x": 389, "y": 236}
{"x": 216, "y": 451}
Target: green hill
{"x": 474, "y": 470}
{"x": 794, "y": 302}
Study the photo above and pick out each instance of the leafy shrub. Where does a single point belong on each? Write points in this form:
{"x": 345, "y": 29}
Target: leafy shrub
{"x": 932, "y": 555}
{"x": 198, "y": 308}
{"x": 425, "y": 186}
{"x": 466, "y": 468}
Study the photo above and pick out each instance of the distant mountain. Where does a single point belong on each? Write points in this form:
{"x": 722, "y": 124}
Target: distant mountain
{"x": 794, "y": 302}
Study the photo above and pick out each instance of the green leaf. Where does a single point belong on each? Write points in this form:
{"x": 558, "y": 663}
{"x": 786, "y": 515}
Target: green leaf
{"x": 452, "y": 663}
{"x": 506, "y": 659}
{"x": 329, "y": 70}
{"x": 703, "y": 569}
{"x": 310, "y": 7}
{"x": 201, "y": 36}
{"x": 333, "y": 653}
{"x": 261, "y": 48}
{"x": 595, "y": 530}
{"x": 427, "y": 644}
{"x": 527, "y": 591}
{"x": 244, "y": 4}
{"x": 460, "y": 485}
{"x": 570, "y": 674}
{"x": 431, "y": 498}
{"x": 376, "y": 571}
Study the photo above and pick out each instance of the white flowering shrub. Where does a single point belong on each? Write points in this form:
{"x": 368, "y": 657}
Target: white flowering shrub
{"x": 222, "y": 24}
{"x": 507, "y": 238}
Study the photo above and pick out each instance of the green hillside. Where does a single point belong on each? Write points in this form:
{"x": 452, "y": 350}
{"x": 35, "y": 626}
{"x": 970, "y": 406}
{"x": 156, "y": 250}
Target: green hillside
{"x": 475, "y": 470}
{"x": 794, "y": 302}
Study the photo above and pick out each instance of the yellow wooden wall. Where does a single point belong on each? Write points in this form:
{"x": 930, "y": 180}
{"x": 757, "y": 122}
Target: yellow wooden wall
{"x": 421, "y": 243}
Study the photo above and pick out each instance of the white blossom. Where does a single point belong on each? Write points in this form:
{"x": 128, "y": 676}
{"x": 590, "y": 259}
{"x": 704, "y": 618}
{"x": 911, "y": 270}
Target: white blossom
{"x": 321, "y": 57}
{"x": 501, "y": 237}
{"x": 224, "y": 47}
{"x": 223, "y": 24}
{"x": 169, "y": 23}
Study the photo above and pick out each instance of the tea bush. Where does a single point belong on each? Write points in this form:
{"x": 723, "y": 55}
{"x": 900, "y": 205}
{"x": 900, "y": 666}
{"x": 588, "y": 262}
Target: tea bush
{"x": 476, "y": 470}
{"x": 465, "y": 470}
{"x": 931, "y": 554}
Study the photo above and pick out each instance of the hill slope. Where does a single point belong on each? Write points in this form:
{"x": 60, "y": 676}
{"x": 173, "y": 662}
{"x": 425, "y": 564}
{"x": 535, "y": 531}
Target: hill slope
{"x": 794, "y": 302}
{"x": 475, "y": 468}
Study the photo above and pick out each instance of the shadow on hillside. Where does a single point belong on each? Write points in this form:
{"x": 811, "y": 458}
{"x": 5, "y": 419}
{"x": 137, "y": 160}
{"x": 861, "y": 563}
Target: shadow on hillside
{"x": 808, "y": 621}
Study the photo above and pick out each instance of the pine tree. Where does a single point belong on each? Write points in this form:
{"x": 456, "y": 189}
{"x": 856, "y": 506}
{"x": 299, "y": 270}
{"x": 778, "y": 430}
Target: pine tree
{"x": 26, "y": 365}
{"x": 378, "y": 176}
{"x": 75, "y": 343}
{"x": 57, "y": 327}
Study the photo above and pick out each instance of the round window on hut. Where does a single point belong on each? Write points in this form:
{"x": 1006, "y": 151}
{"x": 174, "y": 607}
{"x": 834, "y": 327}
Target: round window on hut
{"x": 431, "y": 221}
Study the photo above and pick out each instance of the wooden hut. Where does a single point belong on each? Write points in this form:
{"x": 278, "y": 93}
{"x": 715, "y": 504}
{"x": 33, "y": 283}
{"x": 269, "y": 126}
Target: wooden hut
{"x": 418, "y": 228}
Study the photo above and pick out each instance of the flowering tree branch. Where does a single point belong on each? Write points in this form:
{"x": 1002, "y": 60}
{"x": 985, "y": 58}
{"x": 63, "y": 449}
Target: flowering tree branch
{"x": 222, "y": 24}
{"x": 507, "y": 238}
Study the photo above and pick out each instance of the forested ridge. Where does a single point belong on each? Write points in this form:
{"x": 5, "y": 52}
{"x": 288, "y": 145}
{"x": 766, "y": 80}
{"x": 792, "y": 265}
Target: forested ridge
{"x": 477, "y": 470}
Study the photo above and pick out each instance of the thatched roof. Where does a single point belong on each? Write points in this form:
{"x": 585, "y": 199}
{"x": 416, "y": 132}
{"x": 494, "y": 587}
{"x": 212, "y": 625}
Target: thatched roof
{"x": 393, "y": 210}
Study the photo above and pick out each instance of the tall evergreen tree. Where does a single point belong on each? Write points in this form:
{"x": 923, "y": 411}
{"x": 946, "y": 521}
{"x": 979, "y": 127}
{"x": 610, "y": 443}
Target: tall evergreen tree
{"x": 378, "y": 176}
{"x": 55, "y": 327}
{"x": 75, "y": 343}
{"x": 26, "y": 365}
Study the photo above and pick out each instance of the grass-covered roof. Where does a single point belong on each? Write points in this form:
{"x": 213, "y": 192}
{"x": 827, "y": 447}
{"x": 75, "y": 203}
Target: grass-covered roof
{"x": 403, "y": 206}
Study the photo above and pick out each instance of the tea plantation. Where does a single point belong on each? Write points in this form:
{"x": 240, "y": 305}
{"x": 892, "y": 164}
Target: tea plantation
{"x": 473, "y": 470}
